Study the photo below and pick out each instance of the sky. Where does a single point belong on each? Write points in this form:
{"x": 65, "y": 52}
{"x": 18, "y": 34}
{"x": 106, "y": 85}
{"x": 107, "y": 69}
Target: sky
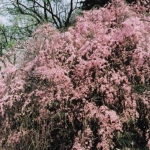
{"x": 3, "y": 19}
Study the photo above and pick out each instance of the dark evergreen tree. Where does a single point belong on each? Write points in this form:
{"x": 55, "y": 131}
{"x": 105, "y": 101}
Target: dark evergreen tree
{"x": 89, "y": 4}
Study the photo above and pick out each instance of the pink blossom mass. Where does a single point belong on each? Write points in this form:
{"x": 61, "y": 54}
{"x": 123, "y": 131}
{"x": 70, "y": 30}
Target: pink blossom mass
{"x": 87, "y": 88}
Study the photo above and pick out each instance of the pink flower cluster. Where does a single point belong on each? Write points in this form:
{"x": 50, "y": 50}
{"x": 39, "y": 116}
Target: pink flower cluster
{"x": 92, "y": 82}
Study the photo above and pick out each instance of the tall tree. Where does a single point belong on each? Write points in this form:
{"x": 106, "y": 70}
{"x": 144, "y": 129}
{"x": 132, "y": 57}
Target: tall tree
{"x": 57, "y": 12}
{"x": 25, "y": 15}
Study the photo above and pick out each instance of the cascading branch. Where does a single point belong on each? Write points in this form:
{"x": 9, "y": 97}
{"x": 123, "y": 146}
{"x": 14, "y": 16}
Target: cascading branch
{"x": 85, "y": 89}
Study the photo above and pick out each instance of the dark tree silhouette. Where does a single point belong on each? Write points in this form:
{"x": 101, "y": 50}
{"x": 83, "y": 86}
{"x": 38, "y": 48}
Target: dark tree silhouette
{"x": 89, "y": 4}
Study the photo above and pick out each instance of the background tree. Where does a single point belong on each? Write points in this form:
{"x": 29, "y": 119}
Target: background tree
{"x": 89, "y": 4}
{"x": 7, "y": 38}
{"x": 10, "y": 34}
{"x": 56, "y": 12}
{"x": 26, "y": 15}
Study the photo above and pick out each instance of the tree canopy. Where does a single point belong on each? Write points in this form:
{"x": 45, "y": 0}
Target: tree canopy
{"x": 26, "y": 15}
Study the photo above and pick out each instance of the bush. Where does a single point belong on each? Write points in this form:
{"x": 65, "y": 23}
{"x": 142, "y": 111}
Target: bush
{"x": 87, "y": 88}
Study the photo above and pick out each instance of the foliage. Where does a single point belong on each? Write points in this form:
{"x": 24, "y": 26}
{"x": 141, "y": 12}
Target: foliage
{"x": 87, "y": 88}
{"x": 6, "y": 39}
{"x": 11, "y": 35}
